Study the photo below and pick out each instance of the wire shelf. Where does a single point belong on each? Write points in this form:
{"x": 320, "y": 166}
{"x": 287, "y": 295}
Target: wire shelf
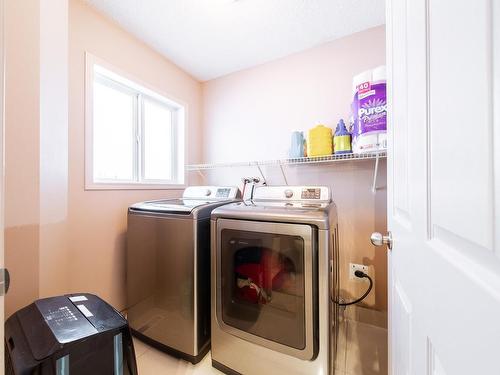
{"x": 290, "y": 161}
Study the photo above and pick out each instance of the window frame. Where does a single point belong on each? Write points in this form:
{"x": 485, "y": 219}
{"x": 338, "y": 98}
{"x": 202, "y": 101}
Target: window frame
{"x": 96, "y": 68}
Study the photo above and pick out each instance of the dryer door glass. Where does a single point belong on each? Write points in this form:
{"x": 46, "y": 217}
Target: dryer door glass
{"x": 263, "y": 289}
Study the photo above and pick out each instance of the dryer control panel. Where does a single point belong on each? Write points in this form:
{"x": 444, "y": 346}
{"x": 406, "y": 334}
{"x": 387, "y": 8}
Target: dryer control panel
{"x": 292, "y": 193}
{"x": 311, "y": 193}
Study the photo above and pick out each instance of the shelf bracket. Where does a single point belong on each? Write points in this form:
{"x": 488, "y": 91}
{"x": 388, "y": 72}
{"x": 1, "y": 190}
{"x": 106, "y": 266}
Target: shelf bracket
{"x": 262, "y": 174}
{"x": 201, "y": 174}
{"x": 283, "y": 173}
{"x": 375, "y": 173}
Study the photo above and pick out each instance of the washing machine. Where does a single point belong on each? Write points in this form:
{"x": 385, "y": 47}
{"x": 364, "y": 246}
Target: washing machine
{"x": 168, "y": 270}
{"x": 274, "y": 277}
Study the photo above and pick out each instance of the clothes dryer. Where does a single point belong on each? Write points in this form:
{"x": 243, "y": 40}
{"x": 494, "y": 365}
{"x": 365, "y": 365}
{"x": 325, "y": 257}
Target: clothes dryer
{"x": 274, "y": 277}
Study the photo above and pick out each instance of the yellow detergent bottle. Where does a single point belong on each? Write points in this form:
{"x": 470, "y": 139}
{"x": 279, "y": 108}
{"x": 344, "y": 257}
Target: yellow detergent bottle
{"x": 319, "y": 142}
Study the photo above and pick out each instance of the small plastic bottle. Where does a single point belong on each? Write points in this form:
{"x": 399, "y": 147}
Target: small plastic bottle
{"x": 342, "y": 139}
{"x": 297, "y": 145}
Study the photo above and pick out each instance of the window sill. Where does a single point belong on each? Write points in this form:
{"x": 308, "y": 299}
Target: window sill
{"x": 132, "y": 186}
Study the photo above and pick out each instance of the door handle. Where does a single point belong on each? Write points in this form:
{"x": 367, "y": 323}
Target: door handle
{"x": 4, "y": 281}
{"x": 379, "y": 240}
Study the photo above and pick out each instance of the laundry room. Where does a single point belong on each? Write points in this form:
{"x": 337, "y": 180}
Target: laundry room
{"x": 247, "y": 186}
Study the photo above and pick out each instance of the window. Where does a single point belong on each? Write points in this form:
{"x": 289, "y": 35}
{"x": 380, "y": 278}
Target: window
{"x": 134, "y": 135}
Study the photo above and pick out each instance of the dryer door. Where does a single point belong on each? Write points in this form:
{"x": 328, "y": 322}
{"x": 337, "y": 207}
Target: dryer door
{"x": 267, "y": 285}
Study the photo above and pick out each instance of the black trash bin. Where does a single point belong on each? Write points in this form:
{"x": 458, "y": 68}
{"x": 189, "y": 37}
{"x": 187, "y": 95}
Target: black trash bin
{"x": 73, "y": 334}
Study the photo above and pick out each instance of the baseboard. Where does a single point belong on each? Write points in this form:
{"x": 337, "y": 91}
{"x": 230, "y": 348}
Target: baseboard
{"x": 366, "y": 315}
{"x": 226, "y": 370}
{"x": 194, "y": 359}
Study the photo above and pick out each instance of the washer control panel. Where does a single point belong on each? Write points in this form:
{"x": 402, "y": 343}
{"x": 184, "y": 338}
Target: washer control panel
{"x": 223, "y": 193}
{"x": 211, "y": 192}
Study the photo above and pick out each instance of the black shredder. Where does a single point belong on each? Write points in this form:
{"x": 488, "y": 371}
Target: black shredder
{"x": 72, "y": 334}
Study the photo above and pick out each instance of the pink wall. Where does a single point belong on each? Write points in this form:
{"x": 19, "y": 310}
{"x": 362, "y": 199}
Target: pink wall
{"x": 36, "y": 157}
{"x": 97, "y": 219}
{"x": 22, "y": 204}
{"x": 53, "y": 163}
{"x": 249, "y": 115}
{"x": 61, "y": 238}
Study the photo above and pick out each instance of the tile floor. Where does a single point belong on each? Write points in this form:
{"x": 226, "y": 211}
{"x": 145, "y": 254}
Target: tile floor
{"x": 362, "y": 351}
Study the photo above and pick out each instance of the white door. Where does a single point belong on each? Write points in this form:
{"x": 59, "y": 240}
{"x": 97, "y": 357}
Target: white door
{"x": 444, "y": 186}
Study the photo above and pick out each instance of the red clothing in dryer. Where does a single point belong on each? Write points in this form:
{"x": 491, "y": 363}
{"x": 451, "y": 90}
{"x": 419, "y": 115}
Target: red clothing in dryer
{"x": 259, "y": 278}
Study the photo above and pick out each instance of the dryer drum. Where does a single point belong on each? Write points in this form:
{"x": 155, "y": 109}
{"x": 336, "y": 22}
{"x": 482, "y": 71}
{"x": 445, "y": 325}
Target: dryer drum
{"x": 259, "y": 272}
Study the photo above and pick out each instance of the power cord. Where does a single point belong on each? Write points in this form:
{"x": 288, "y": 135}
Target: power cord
{"x": 361, "y": 275}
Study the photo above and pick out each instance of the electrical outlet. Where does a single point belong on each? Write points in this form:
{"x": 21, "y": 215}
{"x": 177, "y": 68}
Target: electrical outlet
{"x": 353, "y": 267}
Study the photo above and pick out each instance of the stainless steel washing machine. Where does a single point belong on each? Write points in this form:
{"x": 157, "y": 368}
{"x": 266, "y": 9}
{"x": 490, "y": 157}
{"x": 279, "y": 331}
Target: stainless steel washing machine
{"x": 168, "y": 270}
{"x": 274, "y": 277}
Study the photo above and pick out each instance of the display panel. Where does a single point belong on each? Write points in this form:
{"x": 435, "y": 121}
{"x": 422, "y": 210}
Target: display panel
{"x": 311, "y": 193}
{"x": 223, "y": 193}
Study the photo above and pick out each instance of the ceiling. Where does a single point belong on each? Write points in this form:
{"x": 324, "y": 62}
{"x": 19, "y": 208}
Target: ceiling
{"x": 211, "y": 38}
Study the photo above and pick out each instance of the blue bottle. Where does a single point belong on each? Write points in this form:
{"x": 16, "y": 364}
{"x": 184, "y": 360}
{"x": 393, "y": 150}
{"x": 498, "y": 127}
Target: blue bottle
{"x": 341, "y": 139}
{"x": 297, "y": 145}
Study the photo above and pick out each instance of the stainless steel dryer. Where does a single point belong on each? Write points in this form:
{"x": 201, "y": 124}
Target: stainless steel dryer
{"x": 274, "y": 276}
{"x": 168, "y": 270}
